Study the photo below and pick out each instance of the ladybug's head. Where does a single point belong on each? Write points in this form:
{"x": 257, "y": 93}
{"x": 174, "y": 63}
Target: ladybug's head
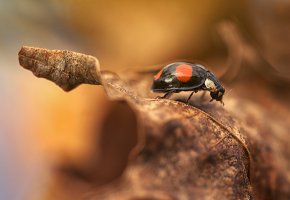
{"x": 218, "y": 94}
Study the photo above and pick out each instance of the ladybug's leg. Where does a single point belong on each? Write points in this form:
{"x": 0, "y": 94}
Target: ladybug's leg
{"x": 166, "y": 95}
{"x": 187, "y": 101}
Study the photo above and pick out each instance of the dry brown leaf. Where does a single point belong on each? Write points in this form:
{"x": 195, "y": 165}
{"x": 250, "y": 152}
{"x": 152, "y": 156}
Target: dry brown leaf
{"x": 65, "y": 68}
{"x": 164, "y": 149}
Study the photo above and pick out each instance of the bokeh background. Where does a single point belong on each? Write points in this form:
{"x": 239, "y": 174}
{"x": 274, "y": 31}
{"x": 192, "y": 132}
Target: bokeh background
{"x": 41, "y": 126}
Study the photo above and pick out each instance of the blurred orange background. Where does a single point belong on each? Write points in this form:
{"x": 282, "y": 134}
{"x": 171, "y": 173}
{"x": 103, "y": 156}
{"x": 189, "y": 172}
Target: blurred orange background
{"x": 41, "y": 125}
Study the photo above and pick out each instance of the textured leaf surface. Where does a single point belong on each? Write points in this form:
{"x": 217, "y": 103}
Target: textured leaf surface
{"x": 164, "y": 149}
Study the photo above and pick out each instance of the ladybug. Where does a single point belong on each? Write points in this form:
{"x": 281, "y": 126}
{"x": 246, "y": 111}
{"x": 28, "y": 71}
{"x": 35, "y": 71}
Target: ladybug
{"x": 184, "y": 76}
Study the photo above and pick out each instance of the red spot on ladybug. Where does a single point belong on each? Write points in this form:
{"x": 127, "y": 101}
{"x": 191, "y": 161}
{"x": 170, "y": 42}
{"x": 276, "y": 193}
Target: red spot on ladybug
{"x": 157, "y": 76}
{"x": 183, "y": 72}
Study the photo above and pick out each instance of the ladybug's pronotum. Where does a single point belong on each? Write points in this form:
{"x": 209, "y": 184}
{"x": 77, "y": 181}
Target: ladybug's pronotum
{"x": 183, "y": 76}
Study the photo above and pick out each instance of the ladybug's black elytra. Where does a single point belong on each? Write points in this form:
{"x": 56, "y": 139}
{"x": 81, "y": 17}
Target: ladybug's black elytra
{"x": 183, "y": 76}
